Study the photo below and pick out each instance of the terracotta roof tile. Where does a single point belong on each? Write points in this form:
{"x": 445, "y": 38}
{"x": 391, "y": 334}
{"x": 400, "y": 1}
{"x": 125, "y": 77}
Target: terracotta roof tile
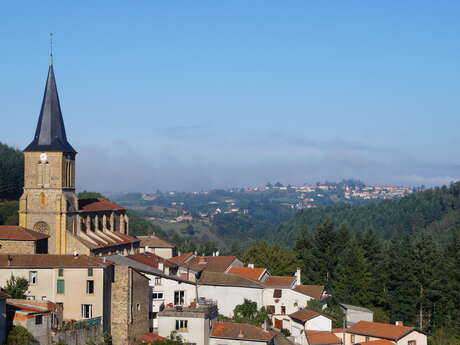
{"x": 18, "y": 233}
{"x": 251, "y": 273}
{"x": 380, "y": 330}
{"x": 50, "y": 261}
{"x": 377, "y": 342}
{"x": 227, "y": 279}
{"x": 151, "y": 337}
{"x": 155, "y": 241}
{"x": 279, "y": 281}
{"x": 97, "y": 204}
{"x": 305, "y": 315}
{"x": 213, "y": 263}
{"x": 151, "y": 260}
{"x": 322, "y": 338}
{"x": 181, "y": 259}
{"x": 241, "y": 331}
{"x": 315, "y": 291}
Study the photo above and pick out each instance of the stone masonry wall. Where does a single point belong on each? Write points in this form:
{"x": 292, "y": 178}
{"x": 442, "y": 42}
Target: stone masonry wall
{"x": 17, "y": 247}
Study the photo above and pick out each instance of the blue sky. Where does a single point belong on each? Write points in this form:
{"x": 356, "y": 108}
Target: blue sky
{"x": 192, "y": 95}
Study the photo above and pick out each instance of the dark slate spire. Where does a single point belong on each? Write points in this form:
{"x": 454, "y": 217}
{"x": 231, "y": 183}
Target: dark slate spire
{"x": 50, "y": 134}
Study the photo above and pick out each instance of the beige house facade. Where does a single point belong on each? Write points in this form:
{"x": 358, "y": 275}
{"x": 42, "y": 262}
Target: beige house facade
{"x": 81, "y": 285}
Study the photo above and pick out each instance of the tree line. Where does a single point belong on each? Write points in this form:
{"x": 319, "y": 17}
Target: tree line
{"x": 412, "y": 279}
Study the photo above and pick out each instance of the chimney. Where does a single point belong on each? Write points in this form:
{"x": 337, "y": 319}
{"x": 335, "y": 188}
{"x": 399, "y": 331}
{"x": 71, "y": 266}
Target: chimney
{"x": 399, "y": 323}
{"x": 75, "y": 253}
{"x": 298, "y": 276}
{"x": 217, "y": 253}
{"x": 202, "y": 260}
{"x": 161, "y": 266}
{"x": 250, "y": 265}
{"x": 213, "y": 253}
{"x": 241, "y": 334}
{"x": 10, "y": 260}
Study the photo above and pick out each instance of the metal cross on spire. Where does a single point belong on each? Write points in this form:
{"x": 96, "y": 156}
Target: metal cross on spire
{"x": 51, "y": 48}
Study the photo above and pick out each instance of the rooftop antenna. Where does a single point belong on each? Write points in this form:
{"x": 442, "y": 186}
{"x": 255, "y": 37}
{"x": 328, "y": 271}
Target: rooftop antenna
{"x": 51, "y": 48}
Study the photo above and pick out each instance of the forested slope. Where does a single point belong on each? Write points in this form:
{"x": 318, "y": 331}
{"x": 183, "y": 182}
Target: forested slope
{"x": 435, "y": 210}
{"x": 11, "y": 173}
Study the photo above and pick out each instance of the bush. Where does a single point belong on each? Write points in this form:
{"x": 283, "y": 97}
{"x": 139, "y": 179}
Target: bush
{"x": 18, "y": 335}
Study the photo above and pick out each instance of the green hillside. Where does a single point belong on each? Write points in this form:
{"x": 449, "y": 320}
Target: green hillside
{"x": 11, "y": 173}
{"x": 435, "y": 210}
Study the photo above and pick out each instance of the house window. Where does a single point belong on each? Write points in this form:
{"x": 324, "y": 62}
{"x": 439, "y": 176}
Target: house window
{"x": 367, "y": 338}
{"x": 412, "y": 342}
{"x": 157, "y": 295}
{"x": 44, "y": 298}
{"x": 86, "y": 311}
{"x": 38, "y": 319}
{"x": 30, "y": 298}
{"x": 90, "y": 272}
{"x": 179, "y": 297}
{"x": 60, "y": 287}
{"x": 277, "y": 293}
{"x": 60, "y": 272}
{"x": 283, "y": 309}
{"x": 271, "y": 309}
{"x": 157, "y": 281}
{"x": 138, "y": 307}
{"x": 33, "y": 277}
{"x": 90, "y": 287}
{"x": 352, "y": 338}
{"x": 181, "y": 325}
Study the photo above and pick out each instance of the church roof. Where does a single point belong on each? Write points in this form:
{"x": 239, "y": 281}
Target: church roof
{"x": 50, "y": 133}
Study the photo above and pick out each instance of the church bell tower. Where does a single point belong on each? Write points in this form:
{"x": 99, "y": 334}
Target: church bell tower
{"x": 49, "y": 204}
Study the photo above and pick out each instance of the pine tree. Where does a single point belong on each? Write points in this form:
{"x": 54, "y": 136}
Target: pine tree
{"x": 353, "y": 277}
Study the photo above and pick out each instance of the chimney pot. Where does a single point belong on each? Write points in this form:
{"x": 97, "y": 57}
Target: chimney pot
{"x": 250, "y": 265}
{"x": 399, "y": 323}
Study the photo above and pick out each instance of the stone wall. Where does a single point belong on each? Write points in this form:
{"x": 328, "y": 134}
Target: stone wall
{"x": 130, "y": 298}
{"x": 17, "y": 247}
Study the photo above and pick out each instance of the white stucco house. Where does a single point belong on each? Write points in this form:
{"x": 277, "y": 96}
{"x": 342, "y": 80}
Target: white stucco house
{"x": 304, "y": 320}
{"x": 229, "y": 290}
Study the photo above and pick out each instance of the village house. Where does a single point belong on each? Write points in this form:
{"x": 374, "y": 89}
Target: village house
{"x": 354, "y": 314}
{"x": 38, "y": 317}
{"x": 306, "y": 320}
{"x": 157, "y": 245}
{"x": 230, "y": 333}
{"x": 193, "y": 322}
{"x": 365, "y": 331}
{"x": 165, "y": 289}
{"x": 18, "y": 240}
{"x": 79, "y": 284}
{"x": 229, "y": 290}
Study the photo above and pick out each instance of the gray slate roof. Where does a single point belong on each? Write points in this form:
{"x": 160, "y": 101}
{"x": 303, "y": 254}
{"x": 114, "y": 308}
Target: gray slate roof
{"x": 125, "y": 261}
{"x": 50, "y": 133}
{"x": 353, "y": 307}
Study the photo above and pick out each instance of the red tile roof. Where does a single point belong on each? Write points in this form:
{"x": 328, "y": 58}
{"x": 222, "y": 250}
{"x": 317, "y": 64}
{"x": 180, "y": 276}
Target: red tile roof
{"x": 322, "y": 338}
{"x": 227, "y": 279}
{"x": 151, "y": 337}
{"x": 50, "y": 261}
{"x": 155, "y": 242}
{"x": 305, "y": 315}
{"x": 241, "y": 331}
{"x": 377, "y": 342}
{"x": 380, "y": 330}
{"x": 279, "y": 281}
{"x": 251, "y": 273}
{"x": 315, "y": 291}
{"x": 213, "y": 263}
{"x": 18, "y": 233}
{"x": 97, "y": 204}
{"x": 151, "y": 260}
{"x": 181, "y": 259}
